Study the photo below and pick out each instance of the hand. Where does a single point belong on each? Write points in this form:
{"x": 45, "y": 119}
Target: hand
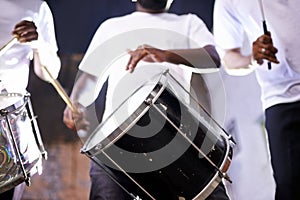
{"x": 145, "y": 53}
{"x": 25, "y": 31}
{"x": 263, "y": 49}
{"x": 76, "y": 121}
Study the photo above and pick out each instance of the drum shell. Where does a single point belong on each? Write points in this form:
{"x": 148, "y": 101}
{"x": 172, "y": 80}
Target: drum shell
{"x": 18, "y": 136}
{"x": 189, "y": 174}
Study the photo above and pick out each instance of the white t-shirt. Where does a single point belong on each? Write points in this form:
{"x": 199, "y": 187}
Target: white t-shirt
{"x": 115, "y": 36}
{"x": 14, "y": 63}
{"x": 234, "y": 18}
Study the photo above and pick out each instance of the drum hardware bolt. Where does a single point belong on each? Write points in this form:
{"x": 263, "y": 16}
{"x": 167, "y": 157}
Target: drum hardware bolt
{"x": 45, "y": 155}
{"x": 98, "y": 147}
{"x": 231, "y": 139}
{"x": 165, "y": 72}
{"x": 225, "y": 175}
{"x": 137, "y": 198}
{"x": 23, "y": 116}
{"x": 34, "y": 117}
{"x": 148, "y": 101}
{"x": 28, "y": 182}
{"x": 3, "y": 112}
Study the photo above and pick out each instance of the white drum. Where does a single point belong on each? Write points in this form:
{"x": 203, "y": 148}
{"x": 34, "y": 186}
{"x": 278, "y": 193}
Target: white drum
{"x": 21, "y": 147}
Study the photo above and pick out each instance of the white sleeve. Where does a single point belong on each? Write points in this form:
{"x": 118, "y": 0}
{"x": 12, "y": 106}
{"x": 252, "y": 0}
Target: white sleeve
{"x": 99, "y": 54}
{"x": 199, "y": 34}
{"x": 228, "y": 31}
{"x": 95, "y": 42}
{"x": 46, "y": 43}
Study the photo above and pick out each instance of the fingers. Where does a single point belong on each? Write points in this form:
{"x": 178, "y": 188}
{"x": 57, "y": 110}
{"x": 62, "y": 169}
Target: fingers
{"x": 145, "y": 53}
{"x": 135, "y": 57}
{"x": 26, "y": 31}
{"x": 263, "y": 49}
{"x": 75, "y": 121}
{"x": 68, "y": 119}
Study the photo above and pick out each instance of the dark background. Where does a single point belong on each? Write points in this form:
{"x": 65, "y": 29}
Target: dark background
{"x": 77, "y": 20}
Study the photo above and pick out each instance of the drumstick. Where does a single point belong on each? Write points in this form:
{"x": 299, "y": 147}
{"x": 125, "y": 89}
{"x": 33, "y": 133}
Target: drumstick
{"x": 264, "y": 24}
{"x": 53, "y": 81}
{"x": 60, "y": 90}
{"x": 9, "y": 44}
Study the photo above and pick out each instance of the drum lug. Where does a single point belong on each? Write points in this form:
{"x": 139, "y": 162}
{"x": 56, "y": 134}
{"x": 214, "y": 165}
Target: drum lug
{"x": 28, "y": 181}
{"x": 148, "y": 102}
{"x": 226, "y": 177}
{"x": 23, "y": 116}
{"x": 45, "y": 155}
{"x": 98, "y": 147}
{"x": 3, "y": 112}
{"x": 231, "y": 139}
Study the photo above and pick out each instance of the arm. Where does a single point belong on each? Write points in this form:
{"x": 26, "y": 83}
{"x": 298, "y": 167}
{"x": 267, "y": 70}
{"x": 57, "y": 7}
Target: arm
{"x": 206, "y": 57}
{"x": 84, "y": 84}
{"x": 43, "y": 53}
{"x": 45, "y": 47}
{"x": 233, "y": 58}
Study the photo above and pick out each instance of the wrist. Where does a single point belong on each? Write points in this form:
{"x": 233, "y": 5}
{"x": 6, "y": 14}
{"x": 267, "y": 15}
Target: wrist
{"x": 253, "y": 63}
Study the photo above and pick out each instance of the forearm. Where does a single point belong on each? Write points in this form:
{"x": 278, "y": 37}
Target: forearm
{"x": 206, "y": 57}
{"x": 233, "y": 59}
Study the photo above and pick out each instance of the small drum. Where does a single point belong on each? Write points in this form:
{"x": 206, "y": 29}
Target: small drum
{"x": 161, "y": 144}
{"x": 21, "y": 147}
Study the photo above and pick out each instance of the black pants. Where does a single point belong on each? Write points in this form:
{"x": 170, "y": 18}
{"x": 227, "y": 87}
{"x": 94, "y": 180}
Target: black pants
{"x": 283, "y": 126}
{"x": 7, "y": 195}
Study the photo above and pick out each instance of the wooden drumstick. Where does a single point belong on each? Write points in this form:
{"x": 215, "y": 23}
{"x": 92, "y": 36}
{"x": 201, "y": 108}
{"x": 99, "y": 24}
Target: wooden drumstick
{"x": 60, "y": 90}
{"x": 8, "y": 45}
{"x": 52, "y": 80}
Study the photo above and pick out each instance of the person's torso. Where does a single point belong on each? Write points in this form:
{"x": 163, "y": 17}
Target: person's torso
{"x": 14, "y": 62}
{"x": 281, "y": 84}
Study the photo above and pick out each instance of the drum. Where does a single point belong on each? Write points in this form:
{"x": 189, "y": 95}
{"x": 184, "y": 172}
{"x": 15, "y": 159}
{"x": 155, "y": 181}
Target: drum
{"x": 161, "y": 143}
{"x": 21, "y": 147}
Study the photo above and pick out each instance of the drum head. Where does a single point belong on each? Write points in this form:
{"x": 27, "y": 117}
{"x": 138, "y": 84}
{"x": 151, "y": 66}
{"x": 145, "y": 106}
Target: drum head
{"x": 11, "y": 101}
{"x": 125, "y": 106}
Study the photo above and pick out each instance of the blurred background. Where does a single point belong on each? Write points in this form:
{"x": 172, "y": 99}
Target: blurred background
{"x": 65, "y": 174}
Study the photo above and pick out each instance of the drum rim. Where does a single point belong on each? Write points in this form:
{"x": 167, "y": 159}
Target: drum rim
{"x": 131, "y": 120}
{"x": 216, "y": 180}
{"x": 16, "y": 105}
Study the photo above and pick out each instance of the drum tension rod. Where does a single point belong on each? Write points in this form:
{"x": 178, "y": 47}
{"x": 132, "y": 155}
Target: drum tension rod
{"x": 221, "y": 174}
{"x": 26, "y": 177}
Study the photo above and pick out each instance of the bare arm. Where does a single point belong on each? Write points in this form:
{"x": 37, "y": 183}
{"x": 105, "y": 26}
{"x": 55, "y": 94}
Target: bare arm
{"x": 233, "y": 59}
{"x": 206, "y": 57}
{"x": 85, "y": 83}
{"x": 262, "y": 49}
{"x": 26, "y": 31}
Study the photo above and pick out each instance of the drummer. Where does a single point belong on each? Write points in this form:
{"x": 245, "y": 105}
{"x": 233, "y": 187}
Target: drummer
{"x": 32, "y": 24}
{"x": 150, "y": 33}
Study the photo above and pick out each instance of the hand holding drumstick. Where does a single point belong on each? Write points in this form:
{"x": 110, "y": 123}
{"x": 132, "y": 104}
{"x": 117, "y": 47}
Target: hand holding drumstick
{"x": 263, "y": 49}
{"x": 25, "y": 31}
